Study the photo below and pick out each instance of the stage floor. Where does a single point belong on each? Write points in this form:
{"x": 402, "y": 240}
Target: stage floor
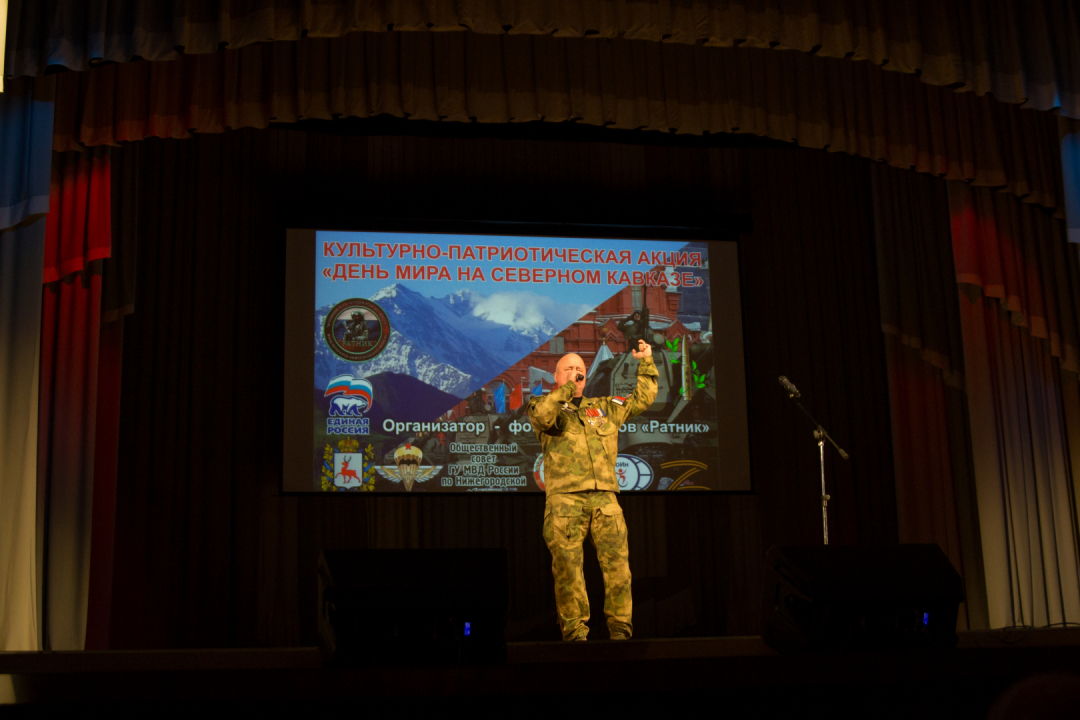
{"x": 736, "y": 673}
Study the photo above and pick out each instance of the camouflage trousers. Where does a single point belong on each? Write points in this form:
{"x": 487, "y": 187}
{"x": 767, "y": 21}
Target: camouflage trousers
{"x": 568, "y": 518}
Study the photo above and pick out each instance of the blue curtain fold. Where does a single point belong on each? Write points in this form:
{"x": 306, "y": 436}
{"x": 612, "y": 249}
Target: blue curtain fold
{"x": 26, "y": 126}
{"x": 1069, "y": 137}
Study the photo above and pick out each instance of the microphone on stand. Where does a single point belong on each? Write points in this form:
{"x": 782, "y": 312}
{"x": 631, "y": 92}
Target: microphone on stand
{"x": 820, "y": 436}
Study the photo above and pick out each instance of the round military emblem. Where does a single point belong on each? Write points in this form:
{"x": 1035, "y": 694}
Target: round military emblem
{"x": 538, "y": 471}
{"x": 356, "y": 330}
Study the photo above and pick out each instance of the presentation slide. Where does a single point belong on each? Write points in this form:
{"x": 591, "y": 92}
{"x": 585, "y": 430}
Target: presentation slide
{"x": 411, "y": 359}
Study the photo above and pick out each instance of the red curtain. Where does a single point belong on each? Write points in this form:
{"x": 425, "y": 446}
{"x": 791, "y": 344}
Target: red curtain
{"x": 1015, "y": 253}
{"x": 78, "y": 232}
{"x": 78, "y": 229}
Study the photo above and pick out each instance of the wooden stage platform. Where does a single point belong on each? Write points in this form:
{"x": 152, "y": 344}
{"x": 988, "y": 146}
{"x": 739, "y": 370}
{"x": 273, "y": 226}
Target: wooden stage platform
{"x": 733, "y": 675}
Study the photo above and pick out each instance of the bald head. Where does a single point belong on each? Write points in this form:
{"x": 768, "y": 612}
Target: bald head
{"x": 568, "y": 368}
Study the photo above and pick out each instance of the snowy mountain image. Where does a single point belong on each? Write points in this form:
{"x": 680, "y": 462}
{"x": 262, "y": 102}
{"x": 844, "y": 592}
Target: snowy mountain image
{"x": 454, "y": 343}
{"x": 509, "y": 326}
{"x": 401, "y": 356}
{"x": 418, "y": 320}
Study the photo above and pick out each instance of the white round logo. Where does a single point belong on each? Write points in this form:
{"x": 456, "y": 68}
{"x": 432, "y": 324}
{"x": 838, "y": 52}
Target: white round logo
{"x": 633, "y": 473}
{"x": 538, "y": 471}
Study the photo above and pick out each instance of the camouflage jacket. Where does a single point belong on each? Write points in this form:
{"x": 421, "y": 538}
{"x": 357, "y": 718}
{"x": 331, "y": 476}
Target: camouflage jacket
{"x": 581, "y": 444}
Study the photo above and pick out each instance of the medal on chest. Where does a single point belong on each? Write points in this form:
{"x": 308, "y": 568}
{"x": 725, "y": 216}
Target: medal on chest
{"x": 595, "y": 417}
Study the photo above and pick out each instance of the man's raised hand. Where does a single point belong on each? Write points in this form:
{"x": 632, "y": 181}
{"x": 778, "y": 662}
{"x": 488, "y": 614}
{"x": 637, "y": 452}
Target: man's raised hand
{"x": 644, "y": 350}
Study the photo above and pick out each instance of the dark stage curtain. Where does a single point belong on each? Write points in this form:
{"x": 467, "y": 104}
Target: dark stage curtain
{"x": 935, "y": 494}
{"x": 208, "y": 553}
{"x": 626, "y": 84}
{"x": 117, "y": 301}
{"x": 1021, "y": 51}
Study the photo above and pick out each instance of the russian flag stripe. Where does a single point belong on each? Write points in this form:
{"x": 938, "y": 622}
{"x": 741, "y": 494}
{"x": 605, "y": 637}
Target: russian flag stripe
{"x": 340, "y": 384}
{"x": 357, "y": 387}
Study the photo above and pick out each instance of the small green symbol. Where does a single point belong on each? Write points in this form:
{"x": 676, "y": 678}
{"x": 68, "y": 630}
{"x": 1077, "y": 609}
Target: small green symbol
{"x": 673, "y": 348}
{"x": 699, "y": 380}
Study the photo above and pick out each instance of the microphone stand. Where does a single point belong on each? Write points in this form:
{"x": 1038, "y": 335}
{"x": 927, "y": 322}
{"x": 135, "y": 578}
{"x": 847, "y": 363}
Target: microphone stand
{"x": 820, "y": 435}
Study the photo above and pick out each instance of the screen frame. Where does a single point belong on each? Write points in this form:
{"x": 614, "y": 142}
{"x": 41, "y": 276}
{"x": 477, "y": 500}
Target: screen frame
{"x": 300, "y": 282}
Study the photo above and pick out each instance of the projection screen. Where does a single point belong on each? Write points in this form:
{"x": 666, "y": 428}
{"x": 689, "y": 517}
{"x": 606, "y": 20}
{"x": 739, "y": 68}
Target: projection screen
{"x": 410, "y": 358}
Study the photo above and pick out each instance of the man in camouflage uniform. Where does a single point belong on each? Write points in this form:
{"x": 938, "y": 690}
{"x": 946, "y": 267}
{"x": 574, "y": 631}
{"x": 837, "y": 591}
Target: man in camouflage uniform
{"x": 580, "y": 439}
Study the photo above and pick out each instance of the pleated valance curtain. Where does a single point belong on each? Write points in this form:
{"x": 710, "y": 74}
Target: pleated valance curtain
{"x": 1018, "y": 254}
{"x": 817, "y": 103}
{"x": 1020, "y": 51}
{"x": 79, "y": 229}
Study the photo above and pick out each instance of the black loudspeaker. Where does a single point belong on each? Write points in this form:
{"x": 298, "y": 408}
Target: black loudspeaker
{"x": 830, "y": 597}
{"x": 413, "y": 607}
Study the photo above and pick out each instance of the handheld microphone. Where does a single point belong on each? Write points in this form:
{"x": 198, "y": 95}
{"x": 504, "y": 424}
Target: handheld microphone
{"x": 786, "y": 384}
{"x": 579, "y": 377}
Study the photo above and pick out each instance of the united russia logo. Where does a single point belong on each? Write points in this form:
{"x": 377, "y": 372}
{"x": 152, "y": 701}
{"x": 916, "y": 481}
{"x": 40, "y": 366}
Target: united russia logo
{"x": 350, "y": 397}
